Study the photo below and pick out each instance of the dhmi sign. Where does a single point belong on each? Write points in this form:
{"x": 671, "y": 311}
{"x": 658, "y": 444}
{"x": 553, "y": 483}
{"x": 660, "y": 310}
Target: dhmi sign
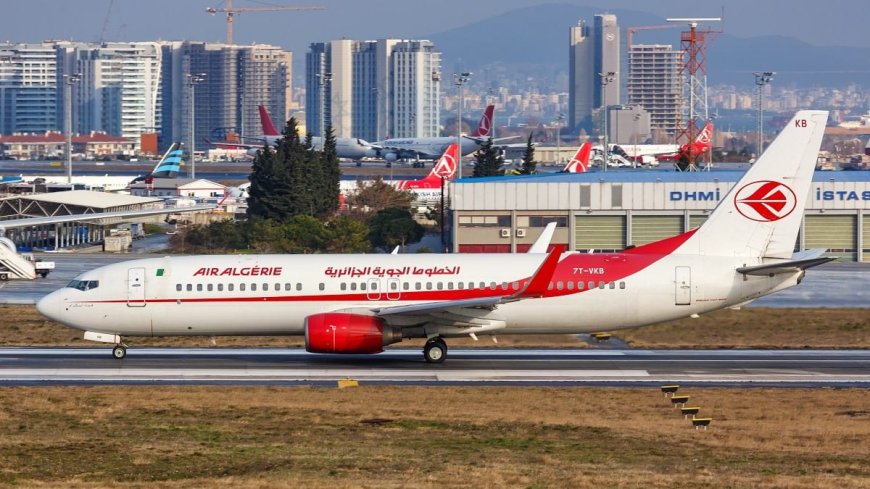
{"x": 819, "y": 195}
{"x": 694, "y": 196}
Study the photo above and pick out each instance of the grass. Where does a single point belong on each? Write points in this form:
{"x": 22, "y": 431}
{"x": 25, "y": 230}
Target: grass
{"x": 429, "y": 437}
{"x": 745, "y": 328}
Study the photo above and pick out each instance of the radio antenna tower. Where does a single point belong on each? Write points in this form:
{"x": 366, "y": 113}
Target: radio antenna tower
{"x": 693, "y": 43}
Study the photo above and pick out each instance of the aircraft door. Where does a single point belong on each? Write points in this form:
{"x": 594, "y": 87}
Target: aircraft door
{"x": 393, "y": 291}
{"x": 136, "y": 287}
{"x": 683, "y": 283}
{"x": 373, "y": 291}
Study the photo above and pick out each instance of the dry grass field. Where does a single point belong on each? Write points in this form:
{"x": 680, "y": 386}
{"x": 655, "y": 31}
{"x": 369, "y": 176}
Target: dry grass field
{"x": 745, "y": 328}
{"x": 398, "y": 437}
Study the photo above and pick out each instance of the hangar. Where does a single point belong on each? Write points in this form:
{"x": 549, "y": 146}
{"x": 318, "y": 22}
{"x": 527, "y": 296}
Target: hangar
{"x": 75, "y": 202}
{"x": 609, "y": 211}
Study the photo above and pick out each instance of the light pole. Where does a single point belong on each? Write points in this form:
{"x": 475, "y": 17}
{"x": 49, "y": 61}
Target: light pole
{"x": 762, "y": 78}
{"x": 559, "y": 118}
{"x": 193, "y": 80}
{"x": 323, "y": 80}
{"x": 459, "y": 80}
{"x": 68, "y": 81}
{"x": 606, "y": 78}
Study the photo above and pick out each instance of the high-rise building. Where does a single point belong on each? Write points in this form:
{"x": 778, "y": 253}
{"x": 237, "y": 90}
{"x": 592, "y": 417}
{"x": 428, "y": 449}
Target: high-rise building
{"x": 373, "y": 89}
{"x": 654, "y": 83}
{"x": 592, "y": 52}
{"x": 28, "y": 88}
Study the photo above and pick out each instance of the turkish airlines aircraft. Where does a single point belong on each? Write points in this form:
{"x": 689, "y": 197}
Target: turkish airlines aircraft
{"x": 650, "y": 153}
{"x": 360, "y": 303}
{"x": 428, "y": 188}
{"x": 434, "y": 147}
{"x": 350, "y": 148}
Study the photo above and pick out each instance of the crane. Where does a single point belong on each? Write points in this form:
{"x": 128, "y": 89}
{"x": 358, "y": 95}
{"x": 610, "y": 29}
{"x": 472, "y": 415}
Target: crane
{"x": 629, "y": 33}
{"x": 231, "y": 12}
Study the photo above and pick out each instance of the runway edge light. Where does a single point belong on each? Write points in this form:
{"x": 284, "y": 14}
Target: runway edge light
{"x": 699, "y": 422}
{"x": 670, "y": 389}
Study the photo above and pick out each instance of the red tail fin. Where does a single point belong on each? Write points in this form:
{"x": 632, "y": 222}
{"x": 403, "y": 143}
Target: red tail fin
{"x": 484, "y": 127}
{"x": 444, "y": 168}
{"x": 266, "y": 122}
{"x": 705, "y": 137}
{"x": 580, "y": 162}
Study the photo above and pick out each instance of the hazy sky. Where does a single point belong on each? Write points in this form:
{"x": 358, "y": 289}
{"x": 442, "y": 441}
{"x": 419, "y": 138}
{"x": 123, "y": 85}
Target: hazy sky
{"x": 824, "y": 23}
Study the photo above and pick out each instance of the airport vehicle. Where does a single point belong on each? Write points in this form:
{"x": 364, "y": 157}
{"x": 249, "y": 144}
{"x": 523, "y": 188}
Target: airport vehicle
{"x": 433, "y": 147}
{"x": 349, "y": 148}
{"x": 15, "y": 265}
{"x": 357, "y": 304}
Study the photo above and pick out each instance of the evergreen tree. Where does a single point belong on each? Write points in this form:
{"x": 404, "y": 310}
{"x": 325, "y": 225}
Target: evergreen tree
{"x": 328, "y": 175}
{"x": 529, "y": 165}
{"x": 488, "y": 161}
{"x": 394, "y": 227}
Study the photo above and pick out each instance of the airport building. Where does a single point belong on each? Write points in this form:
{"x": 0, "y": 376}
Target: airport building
{"x": 610, "y": 211}
{"x": 373, "y": 89}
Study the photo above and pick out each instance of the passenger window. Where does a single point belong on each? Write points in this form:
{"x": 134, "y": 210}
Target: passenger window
{"x": 343, "y": 286}
{"x": 230, "y": 287}
{"x": 621, "y": 285}
{"x": 242, "y": 287}
{"x": 516, "y": 286}
{"x": 493, "y": 285}
{"x": 579, "y": 285}
{"x": 374, "y": 286}
{"x": 189, "y": 287}
{"x": 278, "y": 287}
{"x": 394, "y": 286}
{"x": 483, "y": 285}
{"x": 406, "y": 285}
{"x": 210, "y": 287}
{"x": 199, "y": 287}
{"x": 559, "y": 285}
{"x": 178, "y": 287}
{"x": 288, "y": 286}
{"x": 253, "y": 287}
{"x": 460, "y": 285}
{"x": 550, "y": 286}
{"x": 591, "y": 285}
{"x": 220, "y": 287}
{"x": 600, "y": 285}
{"x": 299, "y": 286}
{"x": 418, "y": 286}
{"x": 353, "y": 286}
{"x": 322, "y": 286}
{"x": 504, "y": 286}
{"x": 570, "y": 285}
{"x": 362, "y": 286}
{"x": 612, "y": 285}
{"x": 440, "y": 285}
{"x": 428, "y": 285}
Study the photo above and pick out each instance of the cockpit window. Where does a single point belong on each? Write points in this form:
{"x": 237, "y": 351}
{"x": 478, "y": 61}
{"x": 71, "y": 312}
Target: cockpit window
{"x": 84, "y": 285}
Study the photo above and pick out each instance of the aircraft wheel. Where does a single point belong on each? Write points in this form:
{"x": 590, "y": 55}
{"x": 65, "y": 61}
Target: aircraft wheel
{"x": 435, "y": 350}
{"x": 119, "y": 352}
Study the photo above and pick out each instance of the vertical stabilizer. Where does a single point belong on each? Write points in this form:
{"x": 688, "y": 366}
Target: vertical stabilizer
{"x": 761, "y": 215}
{"x": 580, "y": 162}
{"x": 484, "y": 127}
{"x": 170, "y": 164}
{"x": 266, "y": 121}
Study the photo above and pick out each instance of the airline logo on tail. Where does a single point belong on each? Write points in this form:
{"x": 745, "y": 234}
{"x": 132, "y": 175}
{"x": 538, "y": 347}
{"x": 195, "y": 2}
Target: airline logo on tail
{"x": 580, "y": 162}
{"x": 444, "y": 169}
{"x": 266, "y": 121}
{"x": 765, "y": 201}
{"x": 484, "y": 127}
{"x": 705, "y": 137}
{"x": 170, "y": 164}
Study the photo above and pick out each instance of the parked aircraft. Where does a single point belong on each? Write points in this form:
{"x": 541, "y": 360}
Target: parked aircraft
{"x": 433, "y": 147}
{"x": 361, "y": 303}
{"x": 653, "y": 153}
{"x": 426, "y": 189}
{"x": 580, "y": 162}
{"x": 350, "y": 148}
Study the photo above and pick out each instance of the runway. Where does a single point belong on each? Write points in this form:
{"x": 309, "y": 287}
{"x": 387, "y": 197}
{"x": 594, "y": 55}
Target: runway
{"x": 562, "y": 367}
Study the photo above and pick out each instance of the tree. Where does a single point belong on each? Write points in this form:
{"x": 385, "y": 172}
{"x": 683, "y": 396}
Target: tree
{"x": 378, "y": 195}
{"x": 488, "y": 161}
{"x": 529, "y": 165}
{"x": 327, "y": 176}
{"x": 345, "y": 234}
{"x": 394, "y": 227}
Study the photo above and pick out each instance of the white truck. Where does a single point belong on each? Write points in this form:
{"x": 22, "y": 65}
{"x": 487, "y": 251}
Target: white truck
{"x": 14, "y": 265}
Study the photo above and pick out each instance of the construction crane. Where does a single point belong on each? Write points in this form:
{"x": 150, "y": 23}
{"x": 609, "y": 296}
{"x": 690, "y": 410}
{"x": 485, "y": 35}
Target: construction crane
{"x": 231, "y": 12}
{"x": 630, "y": 32}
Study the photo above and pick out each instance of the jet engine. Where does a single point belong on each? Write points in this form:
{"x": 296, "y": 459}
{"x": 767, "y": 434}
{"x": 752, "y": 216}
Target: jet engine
{"x": 338, "y": 332}
{"x": 391, "y": 157}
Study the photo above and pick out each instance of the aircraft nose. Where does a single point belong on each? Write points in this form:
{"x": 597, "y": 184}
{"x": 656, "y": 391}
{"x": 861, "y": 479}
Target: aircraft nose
{"x": 51, "y": 305}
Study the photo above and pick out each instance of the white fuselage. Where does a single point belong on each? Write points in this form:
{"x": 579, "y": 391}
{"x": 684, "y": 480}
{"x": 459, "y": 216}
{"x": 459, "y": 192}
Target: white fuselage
{"x": 426, "y": 148}
{"x": 273, "y": 294}
{"x": 348, "y": 148}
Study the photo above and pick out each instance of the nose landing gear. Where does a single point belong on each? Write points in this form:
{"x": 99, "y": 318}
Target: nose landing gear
{"x": 119, "y": 351}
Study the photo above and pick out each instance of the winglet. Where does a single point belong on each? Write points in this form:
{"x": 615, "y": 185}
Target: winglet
{"x": 540, "y": 281}
{"x": 543, "y": 242}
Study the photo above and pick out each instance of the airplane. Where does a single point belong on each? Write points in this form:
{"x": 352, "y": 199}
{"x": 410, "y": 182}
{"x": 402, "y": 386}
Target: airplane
{"x": 350, "y": 148}
{"x": 431, "y": 148}
{"x": 653, "y": 153}
{"x": 168, "y": 166}
{"x": 358, "y": 304}
{"x": 427, "y": 190}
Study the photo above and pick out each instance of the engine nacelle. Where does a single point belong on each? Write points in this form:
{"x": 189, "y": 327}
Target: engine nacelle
{"x": 338, "y": 332}
{"x": 391, "y": 157}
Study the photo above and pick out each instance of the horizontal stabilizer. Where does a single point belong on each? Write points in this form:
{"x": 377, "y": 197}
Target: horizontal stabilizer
{"x": 784, "y": 267}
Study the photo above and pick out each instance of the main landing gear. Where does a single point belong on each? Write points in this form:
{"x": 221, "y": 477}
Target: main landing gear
{"x": 435, "y": 350}
{"x": 119, "y": 351}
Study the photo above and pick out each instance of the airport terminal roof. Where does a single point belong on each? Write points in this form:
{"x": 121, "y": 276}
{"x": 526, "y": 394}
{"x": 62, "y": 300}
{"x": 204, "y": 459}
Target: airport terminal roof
{"x": 89, "y": 198}
{"x": 646, "y": 176}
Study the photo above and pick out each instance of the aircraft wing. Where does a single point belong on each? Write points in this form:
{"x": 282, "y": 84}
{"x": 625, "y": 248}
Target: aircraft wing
{"x": 99, "y": 216}
{"x": 535, "y": 286}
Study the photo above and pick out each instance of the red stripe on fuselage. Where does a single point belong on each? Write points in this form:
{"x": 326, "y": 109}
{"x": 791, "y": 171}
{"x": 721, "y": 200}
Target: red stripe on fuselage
{"x": 577, "y": 267}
